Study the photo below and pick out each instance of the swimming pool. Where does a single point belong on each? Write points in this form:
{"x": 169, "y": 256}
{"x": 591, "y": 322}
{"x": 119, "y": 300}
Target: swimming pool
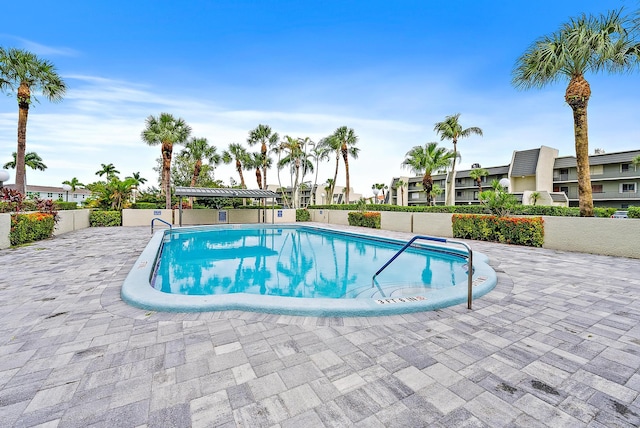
{"x": 297, "y": 270}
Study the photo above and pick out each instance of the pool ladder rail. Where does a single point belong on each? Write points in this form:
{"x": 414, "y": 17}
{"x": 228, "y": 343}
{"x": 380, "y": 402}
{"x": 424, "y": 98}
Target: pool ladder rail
{"x": 469, "y": 257}
{"x": 161, "y": 221}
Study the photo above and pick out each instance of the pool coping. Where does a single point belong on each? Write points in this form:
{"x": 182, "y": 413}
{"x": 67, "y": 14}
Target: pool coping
{"x": 137, "y": 291}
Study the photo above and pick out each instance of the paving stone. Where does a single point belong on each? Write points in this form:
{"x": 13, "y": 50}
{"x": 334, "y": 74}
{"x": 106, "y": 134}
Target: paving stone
{"x": 539, "y": 350}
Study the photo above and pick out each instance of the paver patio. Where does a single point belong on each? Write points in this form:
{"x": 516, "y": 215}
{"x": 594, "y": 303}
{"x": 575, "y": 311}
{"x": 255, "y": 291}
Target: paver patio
{"x": 557, "y": 343}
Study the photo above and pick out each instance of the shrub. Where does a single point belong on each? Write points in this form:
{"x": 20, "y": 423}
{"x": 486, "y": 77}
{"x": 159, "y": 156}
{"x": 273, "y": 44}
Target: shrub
{"x": 63, "y": 206}
{"x": 508, "y": 230}
{"x": 105, "y": 218}
{"x": 303, "y": 215}
{"x": 365, "y": 219}
{"x": 146, "y": 206}
{"x": 633, "y": 212}
{"x": 31, "y": 227}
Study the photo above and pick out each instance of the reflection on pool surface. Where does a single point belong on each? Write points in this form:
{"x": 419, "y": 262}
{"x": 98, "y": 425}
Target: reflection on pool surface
{"x": 298, "y": 270}
{"x": 296, "y": 262}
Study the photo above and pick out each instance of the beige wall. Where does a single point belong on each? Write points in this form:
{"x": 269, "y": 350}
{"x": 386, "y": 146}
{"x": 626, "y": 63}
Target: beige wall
{"x": 396, "y": 221}
{"x": 609, "y": 236}
{"x": 544, "y": 169}
{"x": 288, "y": 216}
{"x": 339, "y": 217}
{"x": 196, "y": 217}
{"x": 5, "y": 228}
{"x": 519, "y": 184}
{"x": 433, "y": 224}
{"x": 70, "y": 220}
{"x": 143, "y": 217}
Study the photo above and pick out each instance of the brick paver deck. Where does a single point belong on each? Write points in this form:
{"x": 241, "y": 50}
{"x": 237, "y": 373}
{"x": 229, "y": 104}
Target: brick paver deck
{"x": 557, "y": 343}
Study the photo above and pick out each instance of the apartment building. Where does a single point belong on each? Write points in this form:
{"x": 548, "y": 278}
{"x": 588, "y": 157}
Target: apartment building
{"x": 614, "y": 180}
{"x": 55, "y": 193}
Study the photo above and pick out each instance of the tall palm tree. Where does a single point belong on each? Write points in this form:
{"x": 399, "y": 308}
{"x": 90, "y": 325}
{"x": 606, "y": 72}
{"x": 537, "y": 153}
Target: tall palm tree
{"x": 31, "y": 159}
{"x": 267, "y": 138}
{"x": 297, "y": 160}
{"x": 424, "y": 160}
{"x": 238, "y": 154}
{"x": 320, "y": 152}
{"x": 74, "y": 183}
{"x": 477, "y": 174}
{"x": 401, "y": 184}
{"x": 138, "y": 179}
{"x": 109, "y": 170}
{"x": 347, "y": 140}
{"x": 584, "y": 44}
{"x": 198, "y": 150}
{"x": 256, "y": 161}
{"x": 23, "y": 72}
{"x": 165, "y": 130}
{"x": 450, "y": 129}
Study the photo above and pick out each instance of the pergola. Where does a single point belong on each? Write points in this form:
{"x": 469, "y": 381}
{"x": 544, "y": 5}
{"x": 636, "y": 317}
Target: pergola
{"x": 206, "y": 192}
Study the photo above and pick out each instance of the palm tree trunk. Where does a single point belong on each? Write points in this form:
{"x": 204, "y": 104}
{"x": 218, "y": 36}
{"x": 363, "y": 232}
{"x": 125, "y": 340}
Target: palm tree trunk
{"x": 24, "y": 97}
{"x": 345, "y": 157}
{"x": 335, "y": 177}
{"x": 577, "y": 96}
{"x": 451, "y": 190}
{"x": 167, "y": 149}
{"x": 263, "y": 150}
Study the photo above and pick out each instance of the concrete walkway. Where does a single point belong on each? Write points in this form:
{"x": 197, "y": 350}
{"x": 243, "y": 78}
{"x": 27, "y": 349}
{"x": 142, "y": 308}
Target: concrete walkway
{"x": 557, "y": 343}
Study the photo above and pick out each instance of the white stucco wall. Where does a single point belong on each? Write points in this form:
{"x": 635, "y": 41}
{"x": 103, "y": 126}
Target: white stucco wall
{"x": 433, "y": 224}
{"x": 143, "y": 217}
{"x": 5, "y": 228}
{"x": 396, "y": 221}
{"x": 608, "y": 236}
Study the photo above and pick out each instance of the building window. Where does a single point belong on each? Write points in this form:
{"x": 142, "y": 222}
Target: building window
{"x": 627, "y": 187}
{"x": 458, "y": 180}
{"x": 60, "y": 195}
{"x": 475, "y": 195}
{"x": 49, "y": 195}
{"x": 596, "y": 169}
{"x": 565, "y": 190}
{"x": 458, "y": 194}
{"x": 596, "y": 188}
{"x": 625, "y": 167}
{"x": 415, "y": 195}
{"x": 624, "y": 206}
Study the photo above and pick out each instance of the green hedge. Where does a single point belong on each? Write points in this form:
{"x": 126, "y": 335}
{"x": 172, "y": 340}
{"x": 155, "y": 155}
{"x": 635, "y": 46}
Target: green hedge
{"x": 508, "y": 230}
{"x": 633, "y": 212}
{"x": 105, "y": 218}
{"x": 366, "y": 219}
{"x": 65, "y": 206}
{"x": 146, "y": 206}
{"x": 31, "y": 227}
{"x": 303, "y": 215}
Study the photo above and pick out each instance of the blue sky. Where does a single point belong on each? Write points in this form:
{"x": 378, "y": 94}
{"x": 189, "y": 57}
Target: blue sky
{"x": 388, "y": 69}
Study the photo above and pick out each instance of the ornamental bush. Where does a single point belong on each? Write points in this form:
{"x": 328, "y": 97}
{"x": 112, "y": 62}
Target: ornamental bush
{"x": 507, "y": 230}
{"x": 633, "y": 212}
{"x": 365, "y": 219}
{"x": 31, "y": 227}
{"x": 303, "y": 214}
{"x": 105, "y": 218}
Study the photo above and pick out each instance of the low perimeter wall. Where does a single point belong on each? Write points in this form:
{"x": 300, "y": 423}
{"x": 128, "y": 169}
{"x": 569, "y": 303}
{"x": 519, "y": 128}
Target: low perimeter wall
{"x": 201, "y": 217}
{"x": 606, "y": 236}
{"x": 68, "y": 221}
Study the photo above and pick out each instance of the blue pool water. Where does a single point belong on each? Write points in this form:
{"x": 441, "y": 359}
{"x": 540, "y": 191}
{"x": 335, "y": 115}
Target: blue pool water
{"x": 295, "y": 262}
{"x": 298, "y": 270}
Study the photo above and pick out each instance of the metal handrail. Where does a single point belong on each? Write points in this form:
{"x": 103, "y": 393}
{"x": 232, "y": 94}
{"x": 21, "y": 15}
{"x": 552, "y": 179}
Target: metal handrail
{"x": 160, "y": 220}
{"x": 469, "y": 257}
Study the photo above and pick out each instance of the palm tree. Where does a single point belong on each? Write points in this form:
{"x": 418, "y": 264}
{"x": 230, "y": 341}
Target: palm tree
{"x": 266, "y": 137}
{"x": 198, "y": 150}
{"x": 425, "y": 160}
{"x": 584, "y": 44}
{"x": 238, "y": 154}
{"x": 23, "y": 72}
{"x": 31, "y": 159}
{"x": 107, "y": 169}
{"x": 165, "y": 130}
{"x": 255, "y": 160}
{"x": 635, "y": 161}
{"x": 320, "y": 152}
{"x": 450, "y": 129}
{"x": 74, "y": 183}
{"x": 297, "y": 160}
{"x": 477, "y": 174}
{"x": 138, "y": 178}
{"x": 401, "y": 184}
{"x": 346, "y": 139}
